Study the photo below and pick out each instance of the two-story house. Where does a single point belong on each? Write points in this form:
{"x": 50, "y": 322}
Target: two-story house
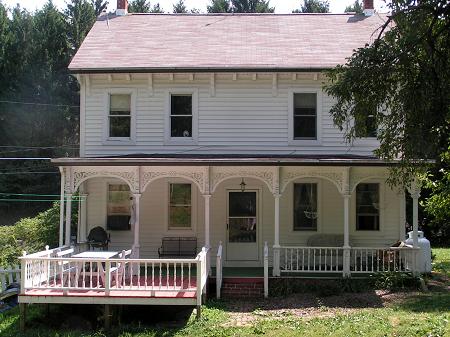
{"x": 215, "y": 128}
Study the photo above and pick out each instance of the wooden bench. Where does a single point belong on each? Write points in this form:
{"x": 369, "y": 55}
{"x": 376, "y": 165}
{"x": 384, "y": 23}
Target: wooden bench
{"x": 178, "y": 247}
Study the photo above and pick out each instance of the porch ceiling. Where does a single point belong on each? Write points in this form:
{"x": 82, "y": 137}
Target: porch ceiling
{"x": 225, "y": 160}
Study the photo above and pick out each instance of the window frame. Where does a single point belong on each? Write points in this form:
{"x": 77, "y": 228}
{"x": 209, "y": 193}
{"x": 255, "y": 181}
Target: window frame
{"x": 380, "y": 208}
{"x": 319, "y": 100}
{"x": 180, "y": 229}
{"x": 169, "y": 140}
{"x": 365, "y": 136}
{"x": 107, "y": 140}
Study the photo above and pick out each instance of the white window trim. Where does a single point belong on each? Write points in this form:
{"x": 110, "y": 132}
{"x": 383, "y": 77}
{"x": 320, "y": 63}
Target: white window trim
{"x": 181, "y": 230}
{"x": 319, "y": 206}
{"x": 168, "y": 140}
{"x": 107, "y": 140}
{"x": 369, "y": 233}
{"x": 301, "y": 142}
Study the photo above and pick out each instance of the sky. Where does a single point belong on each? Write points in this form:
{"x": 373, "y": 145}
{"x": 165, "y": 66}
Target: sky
{"x": 281, "y": 6}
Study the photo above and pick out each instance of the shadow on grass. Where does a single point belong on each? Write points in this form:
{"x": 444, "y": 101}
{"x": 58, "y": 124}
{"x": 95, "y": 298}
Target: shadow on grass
{"x": 427, "y": 302}
{"x": 87, "y": 320}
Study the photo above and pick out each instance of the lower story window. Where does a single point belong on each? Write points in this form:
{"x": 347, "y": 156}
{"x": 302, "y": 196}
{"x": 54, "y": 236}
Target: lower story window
{"x": 368, "y": 207}
{"x": 119, "y": 207}
{"x": 180, "y": 207}
{"x": 305, "y": 206}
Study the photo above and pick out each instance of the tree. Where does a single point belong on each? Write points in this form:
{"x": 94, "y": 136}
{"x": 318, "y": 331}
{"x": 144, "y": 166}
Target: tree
{"x": 99, "y": 6}
{"x": 314, "y": 6}
{"x": 240, "y": 6}
{"x": 139, "y": 6}
{"x": 357, "y": 8}
{"x": 80, "y": 16}
{"x": 180, "y": 7}
{"x": 402, "y": 79}
{"x": 219, "y": 6}
{"x": 156, "y": 9}
{"x": 252, "y": 6}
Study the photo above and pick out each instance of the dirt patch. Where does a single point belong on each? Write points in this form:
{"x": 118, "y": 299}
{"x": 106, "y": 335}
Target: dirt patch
{"x": 308, "y": 306}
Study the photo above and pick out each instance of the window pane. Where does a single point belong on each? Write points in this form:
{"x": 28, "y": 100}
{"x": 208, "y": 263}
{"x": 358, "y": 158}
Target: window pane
{"x": 120, "y": 104}
{"x": 305, "y": 127}
{"x": 180, "y": 194}
{"x": 118, "y": 200}
{"x": 305, "y": 104}
{"x": 119, "y": 126}
{"x": 242, "y": 204}
{"x": 367, "y": 207}
{"x": 242, "y": 230}
{"x": 305, "y": 206}
{"x": 181, "y": 105}
{"x": 366, "y": 127}
{"x": 180, "y": 126}
{"x": 180, "y": 216}
{"x": 180, "y": 205}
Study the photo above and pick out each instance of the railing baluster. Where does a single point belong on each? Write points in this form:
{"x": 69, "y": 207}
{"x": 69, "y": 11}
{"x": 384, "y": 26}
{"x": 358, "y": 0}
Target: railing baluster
{"x": 167, "y": 276}
{"x": 145, "y": 266}
{"x": 174, "y": 275}
{"x": 292, "y": 251}
{"x": 160, "y": 275}
{"x": 153, "y": 274}
{"x": 182, "y": 275}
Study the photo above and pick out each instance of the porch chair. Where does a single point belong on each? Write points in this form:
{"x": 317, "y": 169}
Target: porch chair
{"x": 98, "y": 238}
{"x": 118, "y": 271}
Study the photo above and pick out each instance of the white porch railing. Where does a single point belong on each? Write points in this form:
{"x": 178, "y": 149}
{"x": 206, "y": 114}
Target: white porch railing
{"x": 219, "y": 271}
{"x": 46, "y": 271}
{"x": 361, "y": 259}
{"x": 7, "y": 277}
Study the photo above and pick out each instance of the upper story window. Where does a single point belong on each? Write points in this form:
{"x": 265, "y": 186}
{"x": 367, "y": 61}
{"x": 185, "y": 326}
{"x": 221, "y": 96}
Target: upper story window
{"x": 305, "y": 206}
{"x": 181, "y": 116}
{"x": 119, "y": 116}
{"x": 180, "y": 206}
{"x": 368, "y": 207}
{"x": 305, "y": 116}
{"x": 119, "y": 207}
{"x": 366, "y": 128}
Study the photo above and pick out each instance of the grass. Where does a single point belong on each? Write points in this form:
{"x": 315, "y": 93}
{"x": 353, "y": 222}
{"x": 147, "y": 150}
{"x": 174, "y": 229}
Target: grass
{"x": 415, "y": 314}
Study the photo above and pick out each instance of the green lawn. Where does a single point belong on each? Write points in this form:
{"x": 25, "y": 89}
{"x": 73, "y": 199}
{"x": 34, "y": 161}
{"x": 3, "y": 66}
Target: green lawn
{"x": 405, "y": 314}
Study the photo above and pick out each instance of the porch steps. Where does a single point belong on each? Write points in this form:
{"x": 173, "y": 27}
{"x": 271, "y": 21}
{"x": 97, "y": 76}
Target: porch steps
{"x": 242, "y": 287}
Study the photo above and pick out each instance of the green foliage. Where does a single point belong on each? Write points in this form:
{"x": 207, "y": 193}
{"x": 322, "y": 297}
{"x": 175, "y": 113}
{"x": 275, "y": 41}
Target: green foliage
{"x": 394, "y": 281}
{"x": 314, "y": 6}
{"x": 402, "y": 79}
{"x": 29, "y": 234}
{"x": 240, "y": 6}
{"x": 357, "y": 7}
{"x": 139, "y": 6}
{"x": 180, "y": 7}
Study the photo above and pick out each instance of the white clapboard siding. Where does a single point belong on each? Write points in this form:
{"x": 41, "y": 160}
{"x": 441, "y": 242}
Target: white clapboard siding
{"x": 242, "y": 117}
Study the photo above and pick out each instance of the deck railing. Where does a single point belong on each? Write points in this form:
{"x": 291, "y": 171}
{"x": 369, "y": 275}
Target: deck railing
{"x": 266, "y": 270}
{"x": 44, "y": 270}
{"x": 360, "y": 260}
{"x": 219, "y": 270}
{"x": 8, "y": 276}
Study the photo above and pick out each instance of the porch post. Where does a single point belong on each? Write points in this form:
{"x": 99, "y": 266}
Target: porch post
{"x": 207, "y": 198}
{"x": 136, "y": 245}
{"x": 414, "y": 190}
{"x": 276, "y": 243}
{"x": 346, "y": 255}
{"x": 82, "y": 218}
{"x": 61, "y": 209}
{"x": 68, "y": 217}
{"x": 402, "y": 218}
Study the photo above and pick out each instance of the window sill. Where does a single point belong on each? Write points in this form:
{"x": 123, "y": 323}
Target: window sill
{"x": 181, "y": 141}
{"x": 304, "y": 142}
{"x": 119, "y": 141}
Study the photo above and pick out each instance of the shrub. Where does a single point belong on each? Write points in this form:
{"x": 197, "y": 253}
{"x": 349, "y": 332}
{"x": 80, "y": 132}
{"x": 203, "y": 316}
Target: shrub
{"x": 394, "y": 281}
{"x": 29, "y": 234}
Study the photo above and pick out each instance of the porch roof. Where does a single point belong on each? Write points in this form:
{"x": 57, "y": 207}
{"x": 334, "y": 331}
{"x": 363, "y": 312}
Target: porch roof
{"x": 224, "y": 160}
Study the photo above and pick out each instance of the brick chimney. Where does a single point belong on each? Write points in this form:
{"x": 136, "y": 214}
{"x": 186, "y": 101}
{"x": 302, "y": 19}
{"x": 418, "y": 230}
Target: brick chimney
{"x": 122, "y": 7}
{"x": 368, "y": 8}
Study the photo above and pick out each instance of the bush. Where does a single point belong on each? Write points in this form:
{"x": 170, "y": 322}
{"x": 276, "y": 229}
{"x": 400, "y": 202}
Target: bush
{"x": 29, "y": 234}
{"x": 395, "y": 281}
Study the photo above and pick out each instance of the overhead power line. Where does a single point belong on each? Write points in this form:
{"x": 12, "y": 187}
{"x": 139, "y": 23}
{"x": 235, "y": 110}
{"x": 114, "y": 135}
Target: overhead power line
{"x": 40, "y": 104}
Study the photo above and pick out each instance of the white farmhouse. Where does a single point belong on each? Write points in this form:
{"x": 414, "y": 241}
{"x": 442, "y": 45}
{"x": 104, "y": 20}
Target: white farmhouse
{"x": 213, "y": 131}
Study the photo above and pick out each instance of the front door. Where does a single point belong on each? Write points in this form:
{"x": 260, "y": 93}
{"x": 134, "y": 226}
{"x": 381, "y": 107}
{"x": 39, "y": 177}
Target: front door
{"x": 242, "y": 226}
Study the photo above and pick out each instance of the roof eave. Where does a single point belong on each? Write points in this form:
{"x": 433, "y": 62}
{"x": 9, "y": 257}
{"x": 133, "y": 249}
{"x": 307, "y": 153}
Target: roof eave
{"x": 195, "y": 70}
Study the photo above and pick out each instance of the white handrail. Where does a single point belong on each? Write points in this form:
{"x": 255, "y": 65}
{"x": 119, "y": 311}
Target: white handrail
{"x": 266, "y": 270}
{"x": 219, "y": 270}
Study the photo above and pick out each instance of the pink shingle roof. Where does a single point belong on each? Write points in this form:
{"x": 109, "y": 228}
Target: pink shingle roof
{"x": 162, "y": 42}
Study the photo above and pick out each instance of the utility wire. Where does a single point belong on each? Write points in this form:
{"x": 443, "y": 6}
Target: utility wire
{"x": 27, "y": 172}
{"x": 38, "y": 195}
{"x": 40, "y": 104}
